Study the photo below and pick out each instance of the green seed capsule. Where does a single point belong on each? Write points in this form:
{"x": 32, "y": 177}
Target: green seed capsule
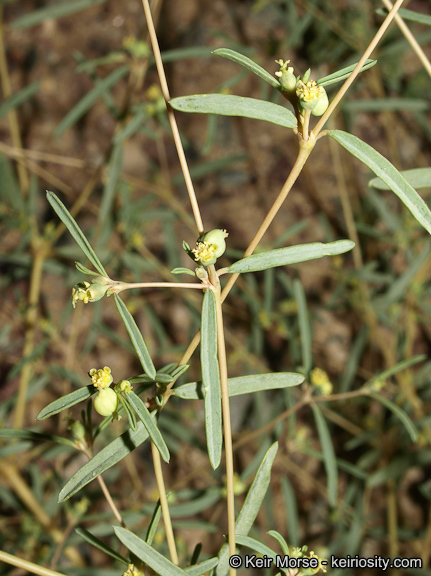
{"x": 106, "y": 402}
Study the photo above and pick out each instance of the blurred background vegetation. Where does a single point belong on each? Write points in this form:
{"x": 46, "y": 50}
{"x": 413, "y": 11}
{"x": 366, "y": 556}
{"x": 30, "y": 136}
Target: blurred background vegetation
{"x": 82, "y": 115}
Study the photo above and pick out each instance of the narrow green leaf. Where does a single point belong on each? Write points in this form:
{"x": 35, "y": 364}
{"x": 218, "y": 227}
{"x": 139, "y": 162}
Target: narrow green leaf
{"x": 417, "y": 177}
{"x": 19, "y": 98}
{"x": 344, "y": 73}
{"x": 52, "y": 11}
{"x": 244, "y": 384}
{"x": 304, "y": 325}
{"x": 65, "y": 402}
{"x": 211, "y": 379}
{"x": 85, "y": 270}
{"x": 255, "y": 545}
{"x": 107, "y": 457}
{"x": 154, "y": 523}
{"x": 408, "y": 15}
{"x": 290, "y": 255}
{"x": 249, "y": 64}
{"x": 136, "y": 338}
{"x": 30, "y": 435}
{"x": 388, "y": 173}
{"x": 114, "y": 171}
{"x": 88, "y": 537}
{"x": 150, "y": 425}
{"x": 413, "y": 105}
{"x": 230, "y": 105}
{"x": 403, "y": 365}
{"x": 65, "y": 216}
{"x": 183, "y": 271}
{"x": 130, "y": 413}
{"x": 89, "y": 99}
{"x": 158, "y": 563}
{"x": 202, "y": 567}
{"x": 291, "y": 508}
{"x": 280, "y": 540}
{"x": 250, "y": 508}
{"x": 328, "y": 454}
{"x": 399, "y": 413}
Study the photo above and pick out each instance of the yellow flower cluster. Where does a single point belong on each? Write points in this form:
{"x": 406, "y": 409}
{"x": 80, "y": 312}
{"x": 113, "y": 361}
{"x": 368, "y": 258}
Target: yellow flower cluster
{"x": 101, "y": 378}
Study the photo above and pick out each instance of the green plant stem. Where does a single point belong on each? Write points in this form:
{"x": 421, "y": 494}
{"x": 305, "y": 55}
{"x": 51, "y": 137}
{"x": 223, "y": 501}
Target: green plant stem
{"x": 171, "y": 117}
{"x": 164, "y": 504}
{"x": 340, "y": 94}
{"x": 221, "y": 350}
{"x": 27, "y": 566}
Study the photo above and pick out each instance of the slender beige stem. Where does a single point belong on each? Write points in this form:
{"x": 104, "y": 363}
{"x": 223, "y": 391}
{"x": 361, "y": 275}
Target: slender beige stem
{"x": 25, "y": 565}
{"x": 221, "y": 348}
{"x": 171, "y": 117}
{"x": 110, "y": 501}
{"x": 164, "y": 504}
{"x": 130, "y": 285}
{"x": 356, "y": 71}
{"x": 410, "y": 38}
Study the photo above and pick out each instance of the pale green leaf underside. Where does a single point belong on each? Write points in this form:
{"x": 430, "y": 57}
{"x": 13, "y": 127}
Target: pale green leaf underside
{"x": 136, "y": 338}
{"x": 328, "y": 455}
{"x": 211, "y": 379}
{"x": 230, "y": 105}
{"x": 386, "y": 172}
{"x": 107, "y": 457}
{"x": 399, "y": 413}
{"x": 255, "y": 545}
{"x": 158, "y": 563}
{"x": 344, "y": 73}
{"x": 65, "y": 216}
{"x": 202, "y": 567}
{"x": 416, "y": 177}
{"x": 65, "y": 402}
{"x": 150, "y": 425}
{"x": 250, "y": 508}
{"x": 290, "y": 255}
{"x": 249, "y": 64}
{"x": 244, "y": 384}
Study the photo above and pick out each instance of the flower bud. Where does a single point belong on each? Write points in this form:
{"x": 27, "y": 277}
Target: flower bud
{"x": 285, "y": 76}
{"x": 106, "y": 402}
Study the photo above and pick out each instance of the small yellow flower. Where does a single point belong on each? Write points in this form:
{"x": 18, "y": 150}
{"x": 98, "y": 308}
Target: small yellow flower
{"x": 312, "y": 97}
{"x": 101, "y": 378}
{"x": 132, "y": 571}
{"x": 320, "y": 379}
{"x": 210, "y": 246}
{"x": 204, "y": 253}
